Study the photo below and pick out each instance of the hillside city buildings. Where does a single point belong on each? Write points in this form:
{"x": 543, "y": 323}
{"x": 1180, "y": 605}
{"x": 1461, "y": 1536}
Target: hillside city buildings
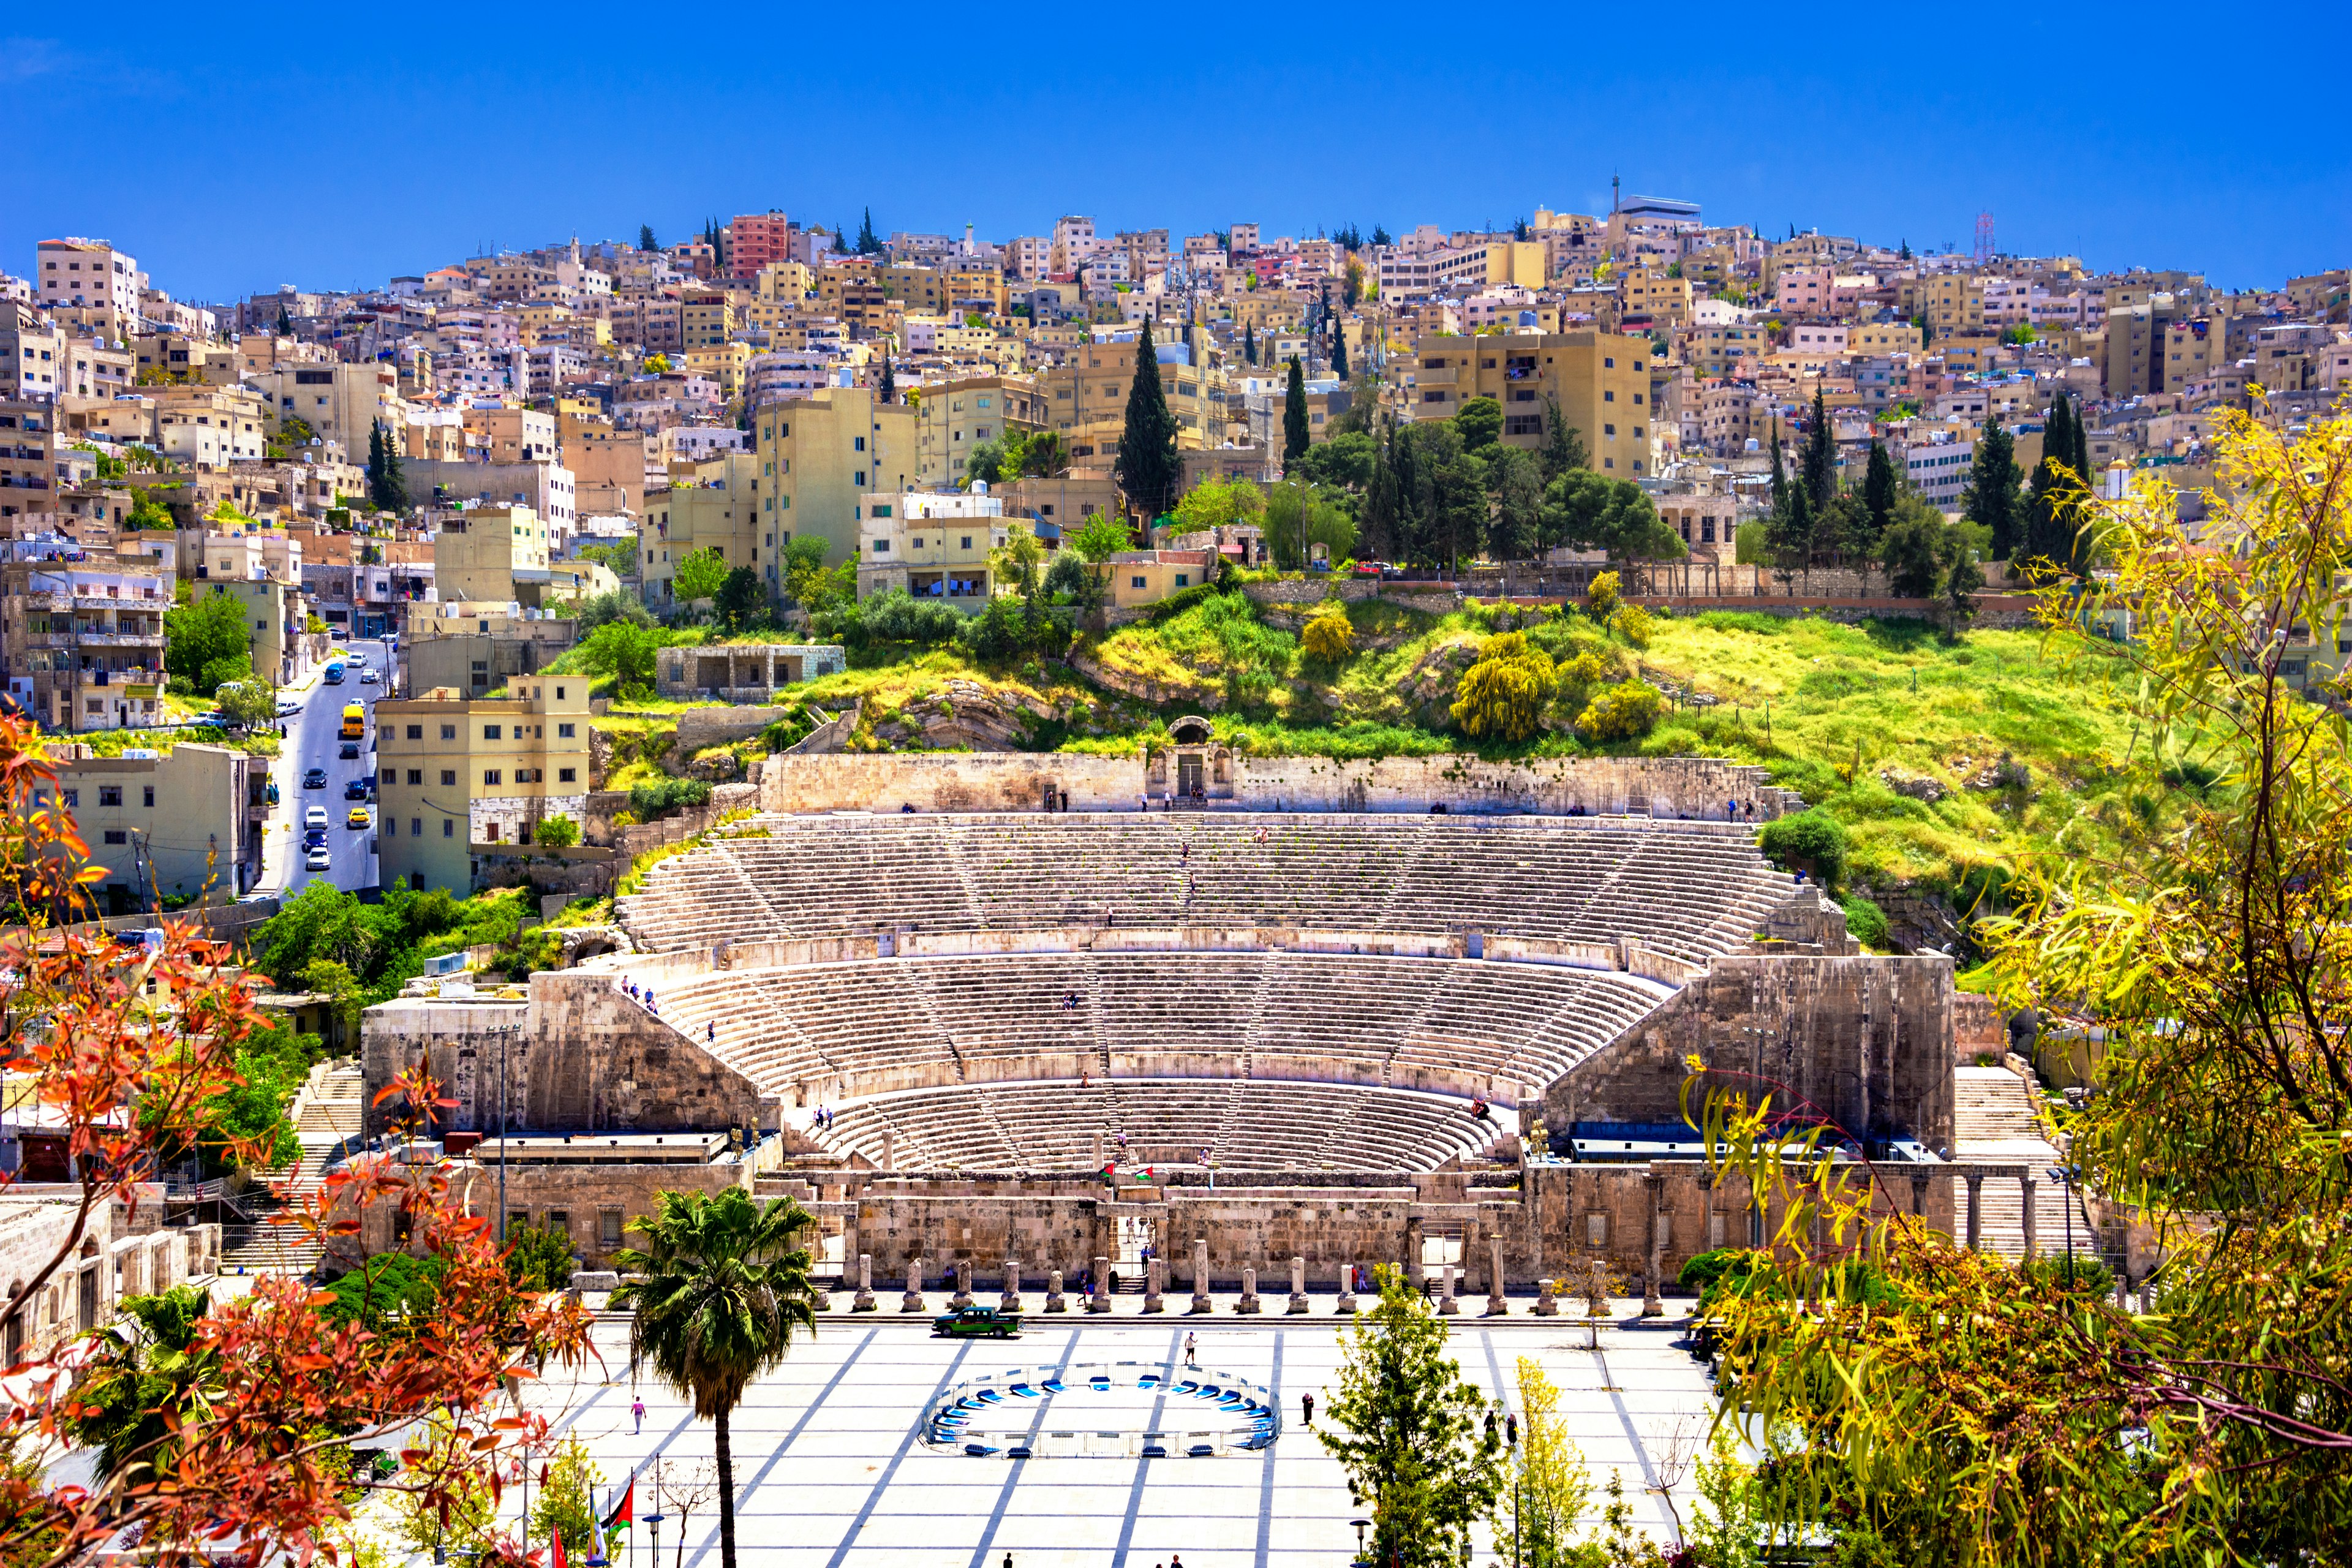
{"x": 762, "y": 384}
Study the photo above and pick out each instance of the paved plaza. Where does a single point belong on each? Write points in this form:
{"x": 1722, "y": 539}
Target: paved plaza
{"x": 833, "y": 1472}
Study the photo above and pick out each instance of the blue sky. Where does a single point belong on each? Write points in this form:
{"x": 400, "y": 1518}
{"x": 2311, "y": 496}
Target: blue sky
{"x": 334, "y": 147}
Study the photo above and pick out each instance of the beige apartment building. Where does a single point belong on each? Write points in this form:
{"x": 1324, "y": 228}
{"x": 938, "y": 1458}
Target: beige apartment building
{"x": 81, "y": 643}
{"x": 340, "y": 402}
{"x": 478, "y": 552}
{"x": 1085, "y": 399}
{"x": 822, "y": 459}
{"x": 183, "y": 823}
{"x": 457, "y": 777}
{"x": 715, "y": 505}
{"x": 933, "y": 545}
{"x": 1601, "y": 380}
{"x": 952, "y": 418}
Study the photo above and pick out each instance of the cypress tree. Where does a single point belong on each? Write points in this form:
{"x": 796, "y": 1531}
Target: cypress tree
{"x": 1381, "y": 499}
{"x": 1340, "y": 350}
{"x": 2081, "y": 461}
{"x": 1818, "y": 464}
{"x": 1294, "y": 416}
{"x": 1147, "y": 467}
{"x": 2049, "y": 533}
{"x": 867, "y": 243}
{"x": 1780, "y": 479}
{"x": 1249, "y": 342}
{"x": 889, "y": 382}
{"x": 285, "y": 323}
{"x": 1878, "y": 490}
{"x": 645, "y": 238}
{"x": 1563, "y": 448}
{"x": 1991, "y": 499}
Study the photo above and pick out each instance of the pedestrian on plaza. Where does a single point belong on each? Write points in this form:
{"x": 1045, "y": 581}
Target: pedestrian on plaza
{"x": 1307, "y": 1402}
{"x": 711, "y": 1031}
{"x": 1191, "y": 1351}
{"x": 1511, "y": 1428}
{"x": 637, "y": 1409}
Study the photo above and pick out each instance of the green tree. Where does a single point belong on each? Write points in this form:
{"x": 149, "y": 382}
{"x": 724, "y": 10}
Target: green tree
{"x": 145, "y": 513}
{"x": 1341, "y": 460}
{"x": 1586, "y": 511}
{"x": 1383, "y": 506}
{"x": 387, "y": 490}
{"x": 868, "y": 242}
{"x": 1515, "y": 479}
{"x": 334, "y": 979}
{"x": 621, "y": 651}
{"x": 1249, "y": 343}
{"x": 558, "y": 832}
{"x": 645, "y": 238}
{"x": 1296, "y": 437}
{"x": 1817, "y": 464}
{"x": 1069, "y": 581}
{"x": 201, "y": 633}
{"x": 2052, "y": 496}
{"x": 1330, "y": 636}
{"x": 1102, "y": 536}
{"x": 1545, "y": 1487}
{"x": 146, "y": 1375}
{"x": 1405, "y": 1426}
{"x": 724, "y": 1284}
{"x": 539, "y": 1257}
{"x": 244, "y": 702}
{"x": 1147, "y": 468}
{"x": 700, "y": 576}
{"x": 1879, "y": 487}
{"x": 566, "y": 1505}
{"x": 1480, "y": 424}
{"x": 1625, "y": 711}
{"x": 889, "y": 382}
{"x": 1018, "y": 561}
{"x": 1913, "y": 551}
{"x": 1563, "y": 448}
{"x": 1992, "y": 499}
{"x": 1809, "y": 841}
{"x": 1340, "y": 349}
{"x": 742, "y": 601}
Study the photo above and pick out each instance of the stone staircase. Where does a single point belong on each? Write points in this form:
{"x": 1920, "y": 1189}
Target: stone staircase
{"x": 1994, "y": 1119}
{"x": 330, "y": 1110}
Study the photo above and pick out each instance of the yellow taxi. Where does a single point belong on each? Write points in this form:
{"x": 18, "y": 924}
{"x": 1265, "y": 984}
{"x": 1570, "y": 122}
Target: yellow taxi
{"x": 357, "y": 817}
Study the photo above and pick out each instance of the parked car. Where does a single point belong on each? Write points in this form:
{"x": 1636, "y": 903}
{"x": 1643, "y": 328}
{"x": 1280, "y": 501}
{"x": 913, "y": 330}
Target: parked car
{"x": 314, "y": 778}
{"x": 287, "y": 708}
{"x": 977, "y": 1322}
{"x": 315, "y": 817}
{"x": 357, "y": 819}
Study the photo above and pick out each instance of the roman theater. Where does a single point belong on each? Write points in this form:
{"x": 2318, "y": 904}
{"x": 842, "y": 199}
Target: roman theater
{"x": 1029, "y": 1025}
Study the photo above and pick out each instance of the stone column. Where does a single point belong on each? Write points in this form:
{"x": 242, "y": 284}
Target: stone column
{"x": 1248, "y": 1303}
{"x": 1653, "y": 1259}
{"x": 1920, "y": 1194}
{"x": 1413, "y": 1271}
{"x": 1010, "y": 1301}
{"x": 2031, "y": 1220}
{"x": 1200, "y": 1273}
{"x": 889, "y": 1148}
{"x": 1975, "y": 1180}
{"x": 1100, "y": 1300}
{"x": 1155, "y": 1284}
{"x": 1446, "y": 1304}
{"x": 1497, "y": 1304}
{"x": 962, "y": 1296}
{"x": 1547, "y": 1298}
{"x": 1347, "y": 1288}
{"x": 865, "y": 1300}
{"x": 1098, "y": 1150}
{"x": 913, "y": 1301}
{"x": 1297, "y": 1283}
{"x": 1054, "y": 1301}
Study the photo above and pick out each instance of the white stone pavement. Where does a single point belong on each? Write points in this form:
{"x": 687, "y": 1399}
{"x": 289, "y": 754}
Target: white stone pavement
{"x": 831, "y": 1471}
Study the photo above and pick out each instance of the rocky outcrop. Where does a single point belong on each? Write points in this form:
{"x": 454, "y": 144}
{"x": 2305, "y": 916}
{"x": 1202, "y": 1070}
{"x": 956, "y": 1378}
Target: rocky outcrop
{"x": 1913, "y": 786}
{"x": 964, "y": 716}
{"x": 1207, "y": 699}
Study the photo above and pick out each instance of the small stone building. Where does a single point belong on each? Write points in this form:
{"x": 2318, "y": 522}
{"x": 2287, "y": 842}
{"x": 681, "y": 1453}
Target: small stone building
{"x": 747, "y": 672}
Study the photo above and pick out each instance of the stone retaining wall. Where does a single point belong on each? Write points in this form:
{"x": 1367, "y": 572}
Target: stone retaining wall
{"x": 1673, "y": 787}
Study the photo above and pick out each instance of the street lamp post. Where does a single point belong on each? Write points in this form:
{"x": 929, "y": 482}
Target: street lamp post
{"x": 2061, "y": 1174}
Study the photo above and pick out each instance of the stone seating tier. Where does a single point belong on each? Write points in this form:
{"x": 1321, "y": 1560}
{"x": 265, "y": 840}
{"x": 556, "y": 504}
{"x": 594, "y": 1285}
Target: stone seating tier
{"x": 1244, "y": 1124}
{"x": 1689, "y": 890}
{"x": 836, "y": 1032}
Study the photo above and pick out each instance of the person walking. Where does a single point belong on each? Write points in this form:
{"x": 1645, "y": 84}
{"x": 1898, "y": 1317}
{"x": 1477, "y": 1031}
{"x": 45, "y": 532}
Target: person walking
{"x": 1191, "y": 1351}
{"x": 637, "y": 1409}
{"x": 1307, "y": 1403}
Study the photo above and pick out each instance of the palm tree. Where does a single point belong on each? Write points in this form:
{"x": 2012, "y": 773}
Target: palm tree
{"x": 723, "y": 1286}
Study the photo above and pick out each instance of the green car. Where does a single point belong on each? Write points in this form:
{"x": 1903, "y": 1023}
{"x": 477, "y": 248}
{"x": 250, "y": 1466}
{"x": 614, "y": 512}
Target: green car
{"x": 977, "y": 1322}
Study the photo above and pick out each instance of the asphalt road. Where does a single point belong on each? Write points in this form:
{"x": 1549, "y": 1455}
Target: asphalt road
{"x": 313, "y": 740}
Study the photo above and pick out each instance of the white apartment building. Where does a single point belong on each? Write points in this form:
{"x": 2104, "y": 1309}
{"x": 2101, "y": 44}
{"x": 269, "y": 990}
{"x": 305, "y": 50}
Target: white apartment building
{"x": 85, "y": 272}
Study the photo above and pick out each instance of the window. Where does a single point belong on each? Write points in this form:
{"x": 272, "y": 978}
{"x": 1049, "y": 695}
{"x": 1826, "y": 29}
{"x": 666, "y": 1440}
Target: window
{"x": 490, "y": 832}
{"x": 559, "y": 1222}
{"x": 148, "y": 791}
{"x": 567, "y": 775}
{"x": 1184, "y": 579}
{"x": 1607, "y": 363}
{"x": 489, "y": 775}
{"x": 881, "y": 547}
{"x": 416, "y": 827}
{"x": 563, "y": 731}
{"x": 967, "y": 542}
{"x": 1609, "y": 397}
{"x": 117, "y": 835}
{"x": 73, "y": 798}
{"x": 448, "y": 733}
{"x": 608, "y": 1229}
{"x": 1135, "y": 582}
{"x": 858, "y": 442}
{"x": 490, "y": 733}
{"x": 449, "y": 777}
{"x": 1610, "y": 430}
{"x": 109, "y": 794}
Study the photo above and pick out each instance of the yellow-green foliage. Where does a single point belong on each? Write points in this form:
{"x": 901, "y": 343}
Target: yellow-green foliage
{"x": 1600, "y": 595}
{"x": 1625, "y": 711}
{"x": 1632, "y": 623}
{"x": 1330, "y": 635}
{"x": 1503, "y": 696}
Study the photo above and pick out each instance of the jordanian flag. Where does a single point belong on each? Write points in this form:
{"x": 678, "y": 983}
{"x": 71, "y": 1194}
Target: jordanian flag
{"x": 625, "y": 1512}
